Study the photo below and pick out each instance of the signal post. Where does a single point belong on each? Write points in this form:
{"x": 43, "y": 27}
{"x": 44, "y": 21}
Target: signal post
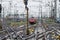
{"x": 26, "y": 8}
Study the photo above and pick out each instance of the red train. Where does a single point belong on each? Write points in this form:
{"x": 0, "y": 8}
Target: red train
{"x": 32, "y": 21}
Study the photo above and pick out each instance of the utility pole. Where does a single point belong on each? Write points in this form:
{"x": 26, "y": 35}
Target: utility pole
{"x": 10, "y": 3}
{"x": 55, "y": 9}
{"x": 41, "y": 15}
{"x": 52, "y": 10}
{"x": 0, "y": 15}
{"x": 0, "y": 9}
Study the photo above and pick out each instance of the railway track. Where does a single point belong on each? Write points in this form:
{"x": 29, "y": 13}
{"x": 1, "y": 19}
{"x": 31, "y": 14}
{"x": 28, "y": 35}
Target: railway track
{"x": 17, "y": 33}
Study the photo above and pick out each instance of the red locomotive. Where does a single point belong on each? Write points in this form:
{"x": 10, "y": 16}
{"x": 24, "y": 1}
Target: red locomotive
{"x": 32, "y": 21}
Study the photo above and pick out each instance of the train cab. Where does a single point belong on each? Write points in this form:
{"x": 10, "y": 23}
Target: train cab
{"x": 32, "y": 21}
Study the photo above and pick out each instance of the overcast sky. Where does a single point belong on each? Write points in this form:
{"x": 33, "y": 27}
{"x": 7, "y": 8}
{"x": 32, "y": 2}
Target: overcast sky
{"x": 33, "y": 6}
